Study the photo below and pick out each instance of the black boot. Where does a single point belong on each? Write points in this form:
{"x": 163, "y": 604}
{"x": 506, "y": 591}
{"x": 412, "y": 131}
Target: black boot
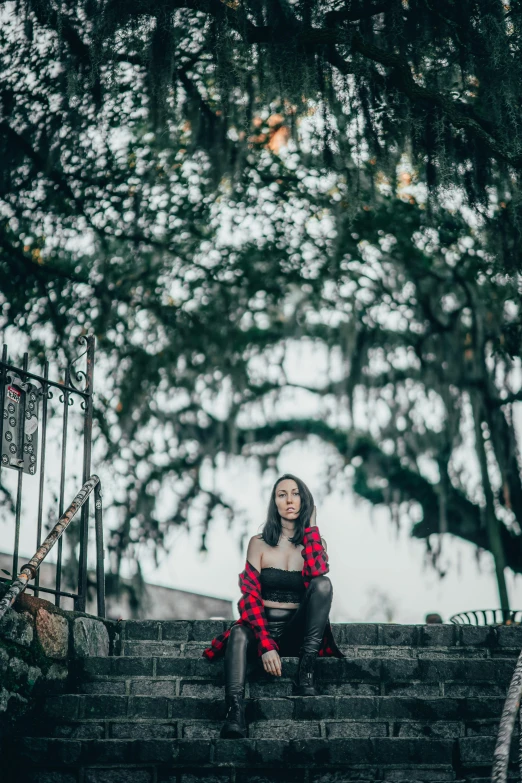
{"x": 235, "y": 726}
{"x": 304, "y": 685}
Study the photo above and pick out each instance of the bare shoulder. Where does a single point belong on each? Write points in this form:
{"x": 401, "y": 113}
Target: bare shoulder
{"x": 254, "y": 550}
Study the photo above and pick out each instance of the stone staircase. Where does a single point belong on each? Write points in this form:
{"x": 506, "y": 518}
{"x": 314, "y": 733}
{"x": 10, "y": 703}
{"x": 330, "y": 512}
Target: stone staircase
{"x": 408, "y": 703}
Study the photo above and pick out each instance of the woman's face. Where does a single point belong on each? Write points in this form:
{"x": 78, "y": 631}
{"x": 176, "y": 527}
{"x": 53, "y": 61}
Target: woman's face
{"x": 288, "y": 500}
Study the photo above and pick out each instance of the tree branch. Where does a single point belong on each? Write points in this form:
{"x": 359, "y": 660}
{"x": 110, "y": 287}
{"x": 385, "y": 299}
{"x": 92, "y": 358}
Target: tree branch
{"x": 464, "y": 518}
{"x": 365, "y": 11}
{"x": 461, "y": 115}
{"x": 57, "y": 177}
{"x": 15, "y": 256}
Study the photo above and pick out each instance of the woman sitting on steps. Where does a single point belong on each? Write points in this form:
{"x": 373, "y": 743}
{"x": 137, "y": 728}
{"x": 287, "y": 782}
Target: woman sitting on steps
{"x": 284, "y": 605}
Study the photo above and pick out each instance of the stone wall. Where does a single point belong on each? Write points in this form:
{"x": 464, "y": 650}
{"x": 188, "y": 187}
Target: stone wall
{"x": 38, "y": 643}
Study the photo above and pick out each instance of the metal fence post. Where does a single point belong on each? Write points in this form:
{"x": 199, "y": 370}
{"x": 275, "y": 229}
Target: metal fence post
{"x": 87, "y": 448}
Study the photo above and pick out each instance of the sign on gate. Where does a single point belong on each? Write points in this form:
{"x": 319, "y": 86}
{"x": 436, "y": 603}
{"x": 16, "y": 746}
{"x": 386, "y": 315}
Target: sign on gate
{"x": 19, "y": 446}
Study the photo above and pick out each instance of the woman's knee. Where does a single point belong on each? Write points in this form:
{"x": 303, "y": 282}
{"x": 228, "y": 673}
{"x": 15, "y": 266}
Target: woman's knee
{"x": 322, "y": 585}
{"x": 239, "y": 635}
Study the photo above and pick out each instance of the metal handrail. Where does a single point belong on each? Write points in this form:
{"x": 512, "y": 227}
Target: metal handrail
{"x": 488, "y": 617}
{"x": 507, "y": 724}
{"x": 29, "y": 571}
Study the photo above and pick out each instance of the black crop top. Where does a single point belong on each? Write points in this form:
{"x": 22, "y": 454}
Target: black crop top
{"x": 281, "y": 586}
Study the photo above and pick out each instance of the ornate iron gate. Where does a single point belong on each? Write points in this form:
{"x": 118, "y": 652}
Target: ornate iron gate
{"x": 25, "y": 402}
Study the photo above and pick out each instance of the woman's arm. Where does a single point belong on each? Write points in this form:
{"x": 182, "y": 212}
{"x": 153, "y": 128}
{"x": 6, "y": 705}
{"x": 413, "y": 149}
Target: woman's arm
{"x": 267, "y": 646}
{"x": 313, "y": 523}
{"x": 314, "y": 551}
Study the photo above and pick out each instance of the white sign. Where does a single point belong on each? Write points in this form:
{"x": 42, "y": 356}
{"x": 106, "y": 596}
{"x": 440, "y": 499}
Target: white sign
{"x": 13, "y": 394}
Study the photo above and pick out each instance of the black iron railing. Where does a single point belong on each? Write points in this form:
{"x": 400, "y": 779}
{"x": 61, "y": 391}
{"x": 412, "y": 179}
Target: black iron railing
{"x": 488, "y": 617}
{"x": 30, "y": 570}
{"x": 31, "y": 404}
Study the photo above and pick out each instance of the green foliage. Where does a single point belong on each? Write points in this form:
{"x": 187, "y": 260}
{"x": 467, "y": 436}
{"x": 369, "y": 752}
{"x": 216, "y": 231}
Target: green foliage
{"x": 439, "y": 80}
{"x": 204, "y": 185}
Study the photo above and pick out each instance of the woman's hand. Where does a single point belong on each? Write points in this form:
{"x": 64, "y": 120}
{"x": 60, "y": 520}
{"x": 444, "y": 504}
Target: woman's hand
{"x": 272, "y": 662}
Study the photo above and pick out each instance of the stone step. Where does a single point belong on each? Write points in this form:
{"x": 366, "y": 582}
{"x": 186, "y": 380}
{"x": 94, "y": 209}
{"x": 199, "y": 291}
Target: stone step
{"x": 283, "y": 686}
{"x": 388, "y": 709}
{"x": 135, "y": 728}
{"x": 408, "y": 703}
{"x": 144, "y": 774}
{"x": 466, "y": 677}
{"x": 147, "y": 648}
{"x": 375, "y": 756}
{"x": 500, "y": 639}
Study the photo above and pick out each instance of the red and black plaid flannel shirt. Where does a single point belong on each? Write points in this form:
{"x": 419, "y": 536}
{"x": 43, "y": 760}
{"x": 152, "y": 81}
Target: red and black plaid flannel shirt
{"x": 252, "y": 610}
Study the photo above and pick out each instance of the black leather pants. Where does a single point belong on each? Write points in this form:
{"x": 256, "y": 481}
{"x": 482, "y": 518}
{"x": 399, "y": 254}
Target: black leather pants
{"x": 296, "y": 631}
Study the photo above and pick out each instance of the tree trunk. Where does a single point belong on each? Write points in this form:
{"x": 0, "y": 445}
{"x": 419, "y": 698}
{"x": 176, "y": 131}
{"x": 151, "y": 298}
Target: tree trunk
{"x": 492, "y": 522}
{"x": 505, "y": 446}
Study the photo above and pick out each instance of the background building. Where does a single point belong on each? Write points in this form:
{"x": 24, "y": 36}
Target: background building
{"x": 153, "y": 602}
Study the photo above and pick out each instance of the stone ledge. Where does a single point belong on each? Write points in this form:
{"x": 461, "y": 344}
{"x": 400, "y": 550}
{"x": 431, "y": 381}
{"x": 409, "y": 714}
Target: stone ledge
{"x": 38, "y": 641}
{"x": 86, "y": 707}
{"x": 310, "y": 752}
{"x": 444, "y": 636}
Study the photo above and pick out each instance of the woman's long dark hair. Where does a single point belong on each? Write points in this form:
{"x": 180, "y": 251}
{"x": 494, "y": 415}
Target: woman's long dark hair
{"x": 271, "y": 532}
